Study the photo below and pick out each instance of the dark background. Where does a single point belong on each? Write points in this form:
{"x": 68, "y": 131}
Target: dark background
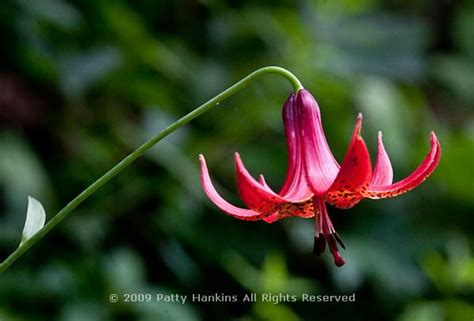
{"x": 83, "y": 83}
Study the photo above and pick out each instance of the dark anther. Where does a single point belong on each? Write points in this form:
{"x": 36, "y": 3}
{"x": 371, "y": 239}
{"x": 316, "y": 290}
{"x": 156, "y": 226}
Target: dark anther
{"x": 339, "y": 240}
{"x": 319, "y": 245}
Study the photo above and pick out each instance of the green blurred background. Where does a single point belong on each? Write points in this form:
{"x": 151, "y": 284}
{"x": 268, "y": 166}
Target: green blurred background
{"x": 82, "y": 83}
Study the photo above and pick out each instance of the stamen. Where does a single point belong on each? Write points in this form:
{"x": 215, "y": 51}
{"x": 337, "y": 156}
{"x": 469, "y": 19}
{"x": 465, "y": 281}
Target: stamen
{"x": 325, "y": 233}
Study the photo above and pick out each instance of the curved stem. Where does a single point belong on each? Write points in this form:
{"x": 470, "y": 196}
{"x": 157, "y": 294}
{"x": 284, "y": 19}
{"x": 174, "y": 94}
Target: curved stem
{"x": 143, "y": 148}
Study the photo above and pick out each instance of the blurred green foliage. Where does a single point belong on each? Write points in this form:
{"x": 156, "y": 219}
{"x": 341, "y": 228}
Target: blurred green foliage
{"x": 82, "y": 83}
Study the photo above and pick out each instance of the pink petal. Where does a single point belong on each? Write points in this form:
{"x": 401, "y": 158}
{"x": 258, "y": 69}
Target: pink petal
{"x": 295, "y": 187}
{"x": 240, "y": 213}
{"x": 252, "y": 193}
{"x": 320, "y": 166}
{"x": 383, "y": 172}
{"x": 290, "y": 121}
{"x": 414, "y": 179}
{"x": 354, "y": 175}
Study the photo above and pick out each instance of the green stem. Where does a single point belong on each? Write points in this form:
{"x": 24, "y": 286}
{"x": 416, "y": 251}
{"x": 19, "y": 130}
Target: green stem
{"x": 143, "y": 148}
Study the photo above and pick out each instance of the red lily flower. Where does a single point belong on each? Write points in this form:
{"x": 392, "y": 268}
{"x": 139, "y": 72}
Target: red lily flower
{"x": 314, "y": 177}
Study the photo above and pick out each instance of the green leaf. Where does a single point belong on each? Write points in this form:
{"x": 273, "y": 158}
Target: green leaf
{"x": 35, "y": 218}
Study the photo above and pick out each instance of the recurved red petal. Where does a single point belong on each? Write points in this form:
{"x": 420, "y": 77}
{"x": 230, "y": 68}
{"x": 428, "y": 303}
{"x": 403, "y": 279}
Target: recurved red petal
{"x": 253, "y": 194}
{"x": 259, "y": 197}
{"x": 320, "y": 166}
{"x": 355, "y": 173}
{"x": 302, "y": 209}
{"x": 414, "y": 179}
{"x": 237, "y": 212}
{"x": 383, "y": 172}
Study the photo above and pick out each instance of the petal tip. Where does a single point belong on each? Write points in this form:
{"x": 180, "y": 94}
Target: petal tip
{"x": 358, "y": 125}
{"x": 238, "y": 161}
{"x": 380, "y": 139}
{"x": 202, "y": 160}
{"x": 435, "y": 142}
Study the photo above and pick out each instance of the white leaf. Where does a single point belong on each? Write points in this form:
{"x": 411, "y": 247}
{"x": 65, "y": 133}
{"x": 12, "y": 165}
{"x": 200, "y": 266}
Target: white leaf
{"x": 35, "y": 218}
